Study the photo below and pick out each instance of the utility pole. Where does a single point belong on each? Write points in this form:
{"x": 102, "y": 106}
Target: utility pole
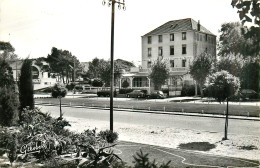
{"x": 112, "y": 2}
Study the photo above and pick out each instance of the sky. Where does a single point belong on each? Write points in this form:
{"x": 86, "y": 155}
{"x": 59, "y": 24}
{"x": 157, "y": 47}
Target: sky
{"x": 83, "y": 27}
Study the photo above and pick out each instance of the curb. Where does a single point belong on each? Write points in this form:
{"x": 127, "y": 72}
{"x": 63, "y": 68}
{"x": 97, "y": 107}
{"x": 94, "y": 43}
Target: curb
{"x": 157, "y": 112}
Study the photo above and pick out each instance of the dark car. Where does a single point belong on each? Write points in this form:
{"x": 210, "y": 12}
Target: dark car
{"x": 136, "y": 94}
{"x": 156, "y": 95}
{"x": 248, "y": 94}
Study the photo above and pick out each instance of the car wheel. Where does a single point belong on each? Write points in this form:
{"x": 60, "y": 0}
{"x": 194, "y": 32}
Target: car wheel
{"x": 138, "y": 96}
{"x": 128, "y": 96}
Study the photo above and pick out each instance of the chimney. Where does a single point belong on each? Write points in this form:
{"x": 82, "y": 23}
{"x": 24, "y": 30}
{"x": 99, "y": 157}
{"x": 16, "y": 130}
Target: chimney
{"x": 198, "y": 25}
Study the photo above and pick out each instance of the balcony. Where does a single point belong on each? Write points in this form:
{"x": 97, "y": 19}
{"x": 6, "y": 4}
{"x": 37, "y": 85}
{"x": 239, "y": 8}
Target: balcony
{"x": 179, "y": 69}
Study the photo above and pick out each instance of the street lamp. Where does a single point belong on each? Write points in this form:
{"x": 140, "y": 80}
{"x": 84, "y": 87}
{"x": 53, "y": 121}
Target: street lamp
{"x": 112, "y": 2}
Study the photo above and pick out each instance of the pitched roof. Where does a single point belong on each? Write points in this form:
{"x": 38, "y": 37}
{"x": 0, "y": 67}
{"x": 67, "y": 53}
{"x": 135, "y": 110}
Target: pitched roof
{"x": 178, "y": 26}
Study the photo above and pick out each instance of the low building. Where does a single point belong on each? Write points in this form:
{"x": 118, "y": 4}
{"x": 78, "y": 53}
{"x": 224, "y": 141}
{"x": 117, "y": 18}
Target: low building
{"x": 41, "y": 79}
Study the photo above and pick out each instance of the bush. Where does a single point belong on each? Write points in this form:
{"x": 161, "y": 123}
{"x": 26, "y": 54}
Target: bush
{"x": 188, "y": 90}
{"x": 109, "y": 136}
{"x": 70, "y": 86}
{"x": 125, "y": 91}
{"x": 141, "y": 160}
{"x": 97, "y": 83}
{"x": 125, "y": 84}
{"x": 9, "y": 104}
{"x": 105, "y": 93}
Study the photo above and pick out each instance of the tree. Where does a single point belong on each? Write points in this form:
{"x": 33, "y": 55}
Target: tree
{"x": 6, "y": 74}
{"x": 231, "y": 40}
{"x": 59, "y": 92}
{"x": 8, "y": 51}
{"x": 63, "y": 63}
{"x": 250, "y": 76}
{"x": 201, "y": 68}
{"x": 94, "y": 68}
{"x": 26, "y": 86}
{"x": 239, "y": 41}
{"x": 222, "y": 85}
{"x": 248, "y": 10}
{"x": 9, "y": 104}
{"x": 105, "y": 72}
{"x": 159, "y": 74}
{"x": 232, "y": 65}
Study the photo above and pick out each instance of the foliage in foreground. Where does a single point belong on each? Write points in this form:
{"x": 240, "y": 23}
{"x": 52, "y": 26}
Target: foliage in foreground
{"x": 9, "y": 104}
{"x": 62, "y": 148}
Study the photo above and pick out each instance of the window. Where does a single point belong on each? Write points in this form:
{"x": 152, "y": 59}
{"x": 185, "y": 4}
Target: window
{"x": 183, "y": 63}
{"x": 206, "y": 37}
{"x": 149, "y": 39}
{"x": 172, "y": 63}
{"x": 149, "y": 52}
{"x": 171, "y": 50}
{"x": 171, "y": 37}
{"x": 184, "y": 49}
{"x": 149, "y": 64}
{"x": 137, "y": 82}
{"x": 183, "y": 35}
{"x": 160, "y": 38}
{"x": 160, "y": 51}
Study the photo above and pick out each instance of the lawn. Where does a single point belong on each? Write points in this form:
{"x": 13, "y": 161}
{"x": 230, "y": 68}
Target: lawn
{"x": 238, "y": 110}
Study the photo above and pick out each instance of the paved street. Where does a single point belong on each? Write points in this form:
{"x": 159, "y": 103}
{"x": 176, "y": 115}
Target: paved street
{"x": 242, "y": 127}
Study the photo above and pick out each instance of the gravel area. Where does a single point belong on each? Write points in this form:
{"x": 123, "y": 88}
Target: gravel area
{"x": 172, "y": 137}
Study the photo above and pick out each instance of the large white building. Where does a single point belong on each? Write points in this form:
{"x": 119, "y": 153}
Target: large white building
{"x": 177, "y": 43}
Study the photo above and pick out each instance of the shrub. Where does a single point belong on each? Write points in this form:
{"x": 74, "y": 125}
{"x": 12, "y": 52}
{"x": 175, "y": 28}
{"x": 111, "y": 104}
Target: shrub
{"x": 125, "y": 84}
{"x": 125, "y": 91}
{"x": 9, "y": 104}
{"x": 109, "y": 136}
{"x": 105, "y": 93}
{"x": 70, "y": 86}
{"x": 188, "y": 90}
{"x": 141, "y": 160}
{"x": 97, "y": 83}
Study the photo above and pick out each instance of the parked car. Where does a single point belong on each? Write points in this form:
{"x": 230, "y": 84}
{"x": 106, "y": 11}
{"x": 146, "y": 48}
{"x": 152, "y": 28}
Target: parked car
{"x": 136, "y": 93}
{"x": 248, "y": 94}
{"x": 156, "y": 95}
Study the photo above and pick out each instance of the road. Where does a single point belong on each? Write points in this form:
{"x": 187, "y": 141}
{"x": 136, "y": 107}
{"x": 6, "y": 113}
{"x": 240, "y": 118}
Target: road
{"x": 238, "y": 127}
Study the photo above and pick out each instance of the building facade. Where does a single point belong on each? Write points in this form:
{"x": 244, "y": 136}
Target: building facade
{"x": 176, "y": 43}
